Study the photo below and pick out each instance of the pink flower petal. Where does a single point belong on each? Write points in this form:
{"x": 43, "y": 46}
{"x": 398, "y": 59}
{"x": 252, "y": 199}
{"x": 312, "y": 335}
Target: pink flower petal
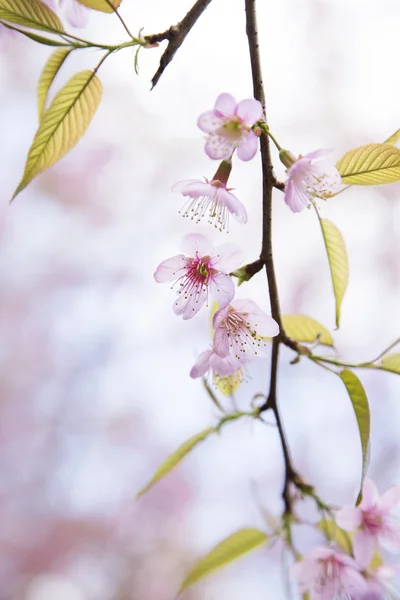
{"x": 76, "y": 14}
{"x": 349, "y": 518}
{"x": 222, "y": 289}
{"x": 224, "y": 366}
{"x": 248, "y": 147}
{"x": 389, "y": 499}
{"x": 181, "y": 185}
{"x": 218, "y": 148}
{"x": 188, "y": 307}
{"x": 370, "y": 494}
{"x": 389, "y": 538}
{"x": 221, "y": 342}
{"x": 219, "y": 316}
{"x": 171, "y": 269}
{"x": 209, "y": 122}
{"x": 363, "y": 548}
{"x": 233, "y": 204}
{"x": 202, "y": 365}
{"x": 317, "y": 153}
{"x": 225, "y": 105}
{"x": 228, "y": 258}
{"x": 195, "y": 243}
{"x": 195, "y": 189}
{"x": 295, "y": 197}
{"x": 250, "y": 111}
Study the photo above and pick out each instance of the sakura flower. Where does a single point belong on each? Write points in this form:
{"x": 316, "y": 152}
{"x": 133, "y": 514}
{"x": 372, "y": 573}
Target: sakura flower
{"x": 204, "y": 268}
{"x": 212, "y": 198}
{"x": 239, "y": 329}
{"x": 327, "y": 575}
{"x": 373, "y": 521}
{"x": 209, "y": 360}
{"x": 229, "y": 127}
{"x": 309, "y": 177}
{"x": 379, "y": 583}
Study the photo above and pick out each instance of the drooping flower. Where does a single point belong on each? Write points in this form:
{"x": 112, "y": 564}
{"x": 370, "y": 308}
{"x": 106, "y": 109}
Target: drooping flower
{"x": 309, "y": 177}
{"x": 328, "y": 575}
{"x": 229, "y": 127}
{"x": 201, "y": 269}
{"x": 209, "y": 360}
{"x": 212, "y": 198}
{"x": 373, "y": 522}
{"x": 239, "y": 329}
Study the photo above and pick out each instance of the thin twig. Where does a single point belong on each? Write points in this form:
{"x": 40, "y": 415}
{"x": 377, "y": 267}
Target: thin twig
{"x": 268, "y": 182}
{"x": 115, "y": 10}
{"x": 175, "y": 36}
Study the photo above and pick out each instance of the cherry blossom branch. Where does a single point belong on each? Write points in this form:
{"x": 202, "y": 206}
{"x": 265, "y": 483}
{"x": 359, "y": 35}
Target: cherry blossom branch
{"x": 175, "y": 35}
{"x": 266, "y": 256}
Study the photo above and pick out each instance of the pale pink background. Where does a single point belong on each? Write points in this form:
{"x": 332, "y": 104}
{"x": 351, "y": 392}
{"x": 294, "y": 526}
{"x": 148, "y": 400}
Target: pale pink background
{"x": 95, "y": 390}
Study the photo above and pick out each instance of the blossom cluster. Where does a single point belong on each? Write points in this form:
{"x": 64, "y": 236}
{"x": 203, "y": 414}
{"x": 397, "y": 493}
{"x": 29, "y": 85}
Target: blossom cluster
{"x": 203, "y": 270}
{"x": 332, "y": 574}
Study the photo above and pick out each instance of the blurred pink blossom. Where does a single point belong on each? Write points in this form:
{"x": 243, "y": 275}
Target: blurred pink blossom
{"x": 373, "y": 522}
{"x": 239, "y": 329}
{"x": 308, "y": 178}
{"x": 204, "y": 268}
{"x": 328, "y": 575}
{"x": 219, "y": 366}
{"x": 228, "y": 127}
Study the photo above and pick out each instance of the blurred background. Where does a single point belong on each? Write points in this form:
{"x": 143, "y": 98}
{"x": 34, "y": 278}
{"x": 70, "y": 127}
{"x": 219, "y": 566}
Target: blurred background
{"x": 94, "y": 374}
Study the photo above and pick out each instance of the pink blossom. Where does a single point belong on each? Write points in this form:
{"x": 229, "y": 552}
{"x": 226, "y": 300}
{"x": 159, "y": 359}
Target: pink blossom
{"x": 379, "y": 583}
{"x": 327, "y": 575}
{"x": 204, "y": 268}
{"x": 308, "y": 178}
{"x": 373, "y": 521}
{"x": 229, "y": 127}
{"x": 239, "y": 329}
{"x": 209, "y": 360}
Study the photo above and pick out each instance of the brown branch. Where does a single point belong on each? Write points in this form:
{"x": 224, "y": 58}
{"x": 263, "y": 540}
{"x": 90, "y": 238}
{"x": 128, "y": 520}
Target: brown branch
{"x": 268, "y": 183}
{"x": 175, "y": 36}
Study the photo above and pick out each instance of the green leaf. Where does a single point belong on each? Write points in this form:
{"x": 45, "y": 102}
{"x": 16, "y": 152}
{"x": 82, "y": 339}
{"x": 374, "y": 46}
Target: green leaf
{"x": 393, "y": 138}
{"x": 34, "y": 36}
{"x": 333, "y": 533}
{"x": 338, "y": 262}
{"x": 230, "y": 549}
{"x": 30, "y": 13}
{"x": 391, "y": 363}
{"x": 373, "y": 164}
{"x": 305, "y": 329}
{"x": 63, "y": 124}
{"x": 101, "y": 5}
{"x": 176, "y": 457}
{"x": 360, "y": 404}
{"x": 48, "y": 75}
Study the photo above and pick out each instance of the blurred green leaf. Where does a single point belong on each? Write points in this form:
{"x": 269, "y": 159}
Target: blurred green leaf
{"x": 391, "y": 363}
{"x": 176, "y": 457}
{"x": 63, "y": 124}
{"x": 338, "y": 261}
{"x": 30, "y": 13}
{"x": 360, "y": 404}
{"x": 333, "y": 533}
{"x": 372, "y": 164}
{"x": 233, "y": 547}
{"x": 393, "y": 138}
{"x": 305, "y": 329}
{"x": 48, "y": 75}
{"x": 101, "y": 5}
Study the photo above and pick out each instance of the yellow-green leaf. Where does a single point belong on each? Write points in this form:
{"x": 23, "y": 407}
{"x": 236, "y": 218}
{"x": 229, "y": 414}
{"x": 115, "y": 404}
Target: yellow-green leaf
{"x": 373, "y": 164}
{"x": 305, "y": 329}
{"x": 176, "y": 457}
{"x": 48, "y": 75}
{"x": 392, "y": 363}
{"x": 360, "y": 404}
{"x": 230, "y": 549}
{"x": 338, "y": 262}
{"x": 63, "y": 124}
{"x": 393, "y": 138}
{"x": 333, "y": 533}
{"x": 30, "y": 13}
{"x": 101, "y": 5}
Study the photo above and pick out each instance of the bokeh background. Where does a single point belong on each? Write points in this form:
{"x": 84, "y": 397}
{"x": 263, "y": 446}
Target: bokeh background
{"x": 94, "y": 373}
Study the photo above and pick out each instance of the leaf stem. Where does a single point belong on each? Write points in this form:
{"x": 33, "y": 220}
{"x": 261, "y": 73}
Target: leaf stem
{"x": 116, "y": 12}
